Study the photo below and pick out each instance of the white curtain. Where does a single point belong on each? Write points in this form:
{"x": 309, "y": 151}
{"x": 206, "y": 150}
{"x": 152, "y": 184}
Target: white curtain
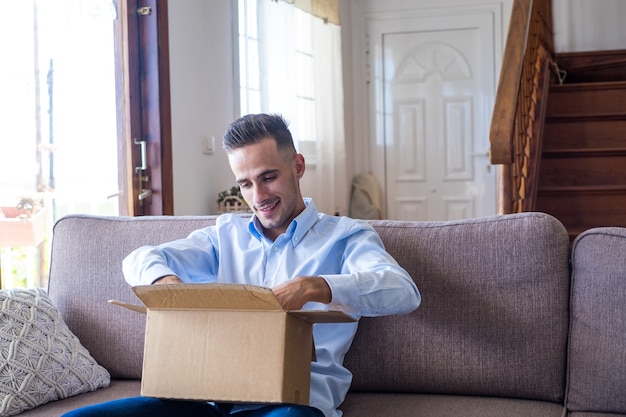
{"x": 316, "y": 124}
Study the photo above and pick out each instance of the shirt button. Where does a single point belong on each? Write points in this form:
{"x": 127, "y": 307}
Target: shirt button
{"x": 275, "y": 249}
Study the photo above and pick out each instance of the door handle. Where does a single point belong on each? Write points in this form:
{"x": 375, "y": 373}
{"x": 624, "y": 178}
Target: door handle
{"x": 144, "y": 194}
{"x": 142, "y": 150}
{"x": 144, "y": 178}
{"x": 483, "y": 155}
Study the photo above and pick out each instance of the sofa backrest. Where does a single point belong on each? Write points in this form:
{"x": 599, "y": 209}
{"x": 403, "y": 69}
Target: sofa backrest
{"x": 86, "y": 272}
{"x": 493, "y": 319}
{"x": 494, "y": 313}
{"x": 597, "y": 345}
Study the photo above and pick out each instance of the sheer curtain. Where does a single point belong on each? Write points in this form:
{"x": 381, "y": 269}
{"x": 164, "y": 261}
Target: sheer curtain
{"x": 300, "y": 73}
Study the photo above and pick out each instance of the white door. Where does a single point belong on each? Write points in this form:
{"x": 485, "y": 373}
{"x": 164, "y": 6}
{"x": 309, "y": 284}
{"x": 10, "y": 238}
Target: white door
{"x": 434, "y": 80}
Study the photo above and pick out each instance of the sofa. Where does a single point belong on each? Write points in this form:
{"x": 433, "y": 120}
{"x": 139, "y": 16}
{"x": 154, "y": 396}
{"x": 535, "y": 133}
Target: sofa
{"x": 515, "y": 320}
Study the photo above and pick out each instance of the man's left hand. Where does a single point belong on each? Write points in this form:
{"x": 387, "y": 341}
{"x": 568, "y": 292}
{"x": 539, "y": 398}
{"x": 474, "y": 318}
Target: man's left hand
{"x": 294, "y": 294}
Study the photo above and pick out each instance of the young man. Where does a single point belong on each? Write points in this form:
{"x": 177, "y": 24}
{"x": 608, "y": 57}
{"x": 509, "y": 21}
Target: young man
{"x": 310, "y": 260}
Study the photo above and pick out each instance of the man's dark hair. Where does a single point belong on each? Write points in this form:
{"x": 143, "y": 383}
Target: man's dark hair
{"x": 253, "y": 128}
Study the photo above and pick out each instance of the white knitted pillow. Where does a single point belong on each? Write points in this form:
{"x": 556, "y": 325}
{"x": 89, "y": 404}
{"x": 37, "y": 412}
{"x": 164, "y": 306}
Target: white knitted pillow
{"x": 41, "y": 360}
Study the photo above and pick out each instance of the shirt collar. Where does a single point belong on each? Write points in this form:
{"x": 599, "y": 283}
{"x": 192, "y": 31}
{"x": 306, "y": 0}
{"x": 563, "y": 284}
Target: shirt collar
{"x": 298, "y": 227}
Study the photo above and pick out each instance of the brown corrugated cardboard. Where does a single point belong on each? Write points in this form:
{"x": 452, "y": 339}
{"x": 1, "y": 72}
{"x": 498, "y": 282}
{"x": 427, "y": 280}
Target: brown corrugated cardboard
{"x": 226, "y": 342}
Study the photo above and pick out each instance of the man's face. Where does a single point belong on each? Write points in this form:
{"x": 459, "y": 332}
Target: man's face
{"x": 269, "y": 181}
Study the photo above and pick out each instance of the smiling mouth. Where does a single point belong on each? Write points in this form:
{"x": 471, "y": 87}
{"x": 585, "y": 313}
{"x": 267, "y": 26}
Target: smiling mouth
{"x": 266, "y": 209}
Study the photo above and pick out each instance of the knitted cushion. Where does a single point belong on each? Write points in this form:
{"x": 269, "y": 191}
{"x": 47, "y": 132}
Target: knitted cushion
{"x": 40, "y": 359}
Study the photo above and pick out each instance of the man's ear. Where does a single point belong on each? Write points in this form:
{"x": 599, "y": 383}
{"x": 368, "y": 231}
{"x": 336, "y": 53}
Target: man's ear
{"x": 299, "y": 165}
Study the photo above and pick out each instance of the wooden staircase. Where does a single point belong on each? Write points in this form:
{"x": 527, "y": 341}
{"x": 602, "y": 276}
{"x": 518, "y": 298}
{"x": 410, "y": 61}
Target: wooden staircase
{"x": 582, "y": 172}
{"x": 559, "y": 140}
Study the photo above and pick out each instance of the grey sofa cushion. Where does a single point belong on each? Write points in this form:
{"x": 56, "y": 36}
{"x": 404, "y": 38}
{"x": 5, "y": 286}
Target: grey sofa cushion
{"x": 117, "y": 389}
{"x": 597, "y": 353}
{"x": 430, "y": 405}
{"x": 584, "y": 414}
{"x": 494, "y": 313}
{"x": 86, "y": 272}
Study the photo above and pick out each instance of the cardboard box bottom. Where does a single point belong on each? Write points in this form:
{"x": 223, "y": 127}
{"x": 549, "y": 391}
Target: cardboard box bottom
{"x": 225, "y": 355}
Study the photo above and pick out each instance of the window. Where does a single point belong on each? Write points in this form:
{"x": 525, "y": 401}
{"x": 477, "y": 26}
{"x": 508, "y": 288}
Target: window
{"x": 249, "y": 77}
{"x": 290, "y": 63}
{"x": 58, "y": 126}
{"x": 68, "y": 120}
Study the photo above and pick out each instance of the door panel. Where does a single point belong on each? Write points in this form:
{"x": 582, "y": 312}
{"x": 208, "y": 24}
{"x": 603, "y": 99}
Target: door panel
{"x": 435, "y": 87}
{"x": 155, "y": 111}
{"x": 144, "y": 106}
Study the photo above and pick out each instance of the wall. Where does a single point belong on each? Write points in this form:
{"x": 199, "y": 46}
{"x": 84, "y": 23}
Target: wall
{"x": 589, "y": 25}
{"x": 204, "y": 98}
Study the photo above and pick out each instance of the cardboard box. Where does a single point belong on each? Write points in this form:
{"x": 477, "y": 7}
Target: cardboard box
{"x": 226, "y": 342}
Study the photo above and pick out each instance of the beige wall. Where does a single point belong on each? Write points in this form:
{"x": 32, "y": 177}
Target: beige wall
{"x": 589, "y": 25}
{"x": 203, "y": 100}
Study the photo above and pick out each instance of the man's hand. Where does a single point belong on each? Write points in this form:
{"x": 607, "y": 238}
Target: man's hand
{"x": 293, "y": 294}
{"x": 168, "y": 279}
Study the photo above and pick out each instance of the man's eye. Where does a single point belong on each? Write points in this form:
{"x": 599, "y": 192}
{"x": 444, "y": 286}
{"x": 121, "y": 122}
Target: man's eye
{"x": 269, "y": 178}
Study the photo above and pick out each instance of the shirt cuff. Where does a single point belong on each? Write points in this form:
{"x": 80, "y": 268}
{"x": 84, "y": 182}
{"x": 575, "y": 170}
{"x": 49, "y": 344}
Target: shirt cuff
{"x": 345, "y": 293}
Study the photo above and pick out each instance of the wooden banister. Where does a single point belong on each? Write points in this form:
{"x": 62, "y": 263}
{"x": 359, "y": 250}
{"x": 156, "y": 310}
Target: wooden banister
{"x": 518, "y": 115}
{"x": 503, "y": 119}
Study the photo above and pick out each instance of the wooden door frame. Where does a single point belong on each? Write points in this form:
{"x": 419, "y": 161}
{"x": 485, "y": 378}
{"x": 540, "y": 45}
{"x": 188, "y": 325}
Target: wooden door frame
{"x": 143, "y": 94}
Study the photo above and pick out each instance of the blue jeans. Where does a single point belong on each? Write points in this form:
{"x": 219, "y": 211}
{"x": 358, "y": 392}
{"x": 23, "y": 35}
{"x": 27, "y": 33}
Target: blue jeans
{"x": 156, "y": 407}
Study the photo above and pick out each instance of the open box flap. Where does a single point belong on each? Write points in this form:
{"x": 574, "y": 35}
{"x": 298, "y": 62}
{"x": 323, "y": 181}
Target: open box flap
{"x": 221, "y": 297}
{"x": 323, "y": 316}
{"x": 207, "y": 297}
{"x": 132, "y": 307}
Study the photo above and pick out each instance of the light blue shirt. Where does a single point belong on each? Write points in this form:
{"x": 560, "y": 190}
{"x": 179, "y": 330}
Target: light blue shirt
{"x": 364, "y": 279}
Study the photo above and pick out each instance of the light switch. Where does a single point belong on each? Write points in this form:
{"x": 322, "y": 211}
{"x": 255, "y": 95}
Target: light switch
{"x": 208, "y": 145}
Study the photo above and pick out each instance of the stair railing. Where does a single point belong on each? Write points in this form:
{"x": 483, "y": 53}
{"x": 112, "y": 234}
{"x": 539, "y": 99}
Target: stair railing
{"x": 519, "y": 109}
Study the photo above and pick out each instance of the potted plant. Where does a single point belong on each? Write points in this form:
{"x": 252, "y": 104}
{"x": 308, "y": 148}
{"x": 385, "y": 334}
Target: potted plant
{"x": 231, "y": 201}
{"x": 22, "y": 224}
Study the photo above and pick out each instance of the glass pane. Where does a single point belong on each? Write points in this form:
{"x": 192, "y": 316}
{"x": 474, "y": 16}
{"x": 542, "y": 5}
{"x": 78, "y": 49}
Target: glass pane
{"x": 243, "y": 68}
{"x": 254, "y": 77}
{"x": 243, "y": 100}
{"x": 249, "y": 77}
{"x": 254, "y": 101}
{"x": 304, "y": 124}
{"x": 58, "y": 129}
{"x": 241, "y": 16}
{"x": 304, "y": 69}
{"x": 251, "y": 18}
{"x": 304, "y": 25}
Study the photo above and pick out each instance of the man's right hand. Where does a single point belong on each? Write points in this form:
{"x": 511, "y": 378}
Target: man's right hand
{"x": 168, "y": 279}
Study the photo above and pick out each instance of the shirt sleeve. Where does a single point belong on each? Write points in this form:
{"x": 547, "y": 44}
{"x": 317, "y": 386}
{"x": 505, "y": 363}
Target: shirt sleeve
{"x": 371, "y": 282}
{"x": 192, "y": 259}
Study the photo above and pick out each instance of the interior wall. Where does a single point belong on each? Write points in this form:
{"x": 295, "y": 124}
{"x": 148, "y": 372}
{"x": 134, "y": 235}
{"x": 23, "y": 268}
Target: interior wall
{"x": 589, "y": 25}
{"x": 203, "y": 100}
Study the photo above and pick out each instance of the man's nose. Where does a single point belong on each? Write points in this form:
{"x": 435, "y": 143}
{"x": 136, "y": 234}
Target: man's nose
{"x": 260, "y": 193}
